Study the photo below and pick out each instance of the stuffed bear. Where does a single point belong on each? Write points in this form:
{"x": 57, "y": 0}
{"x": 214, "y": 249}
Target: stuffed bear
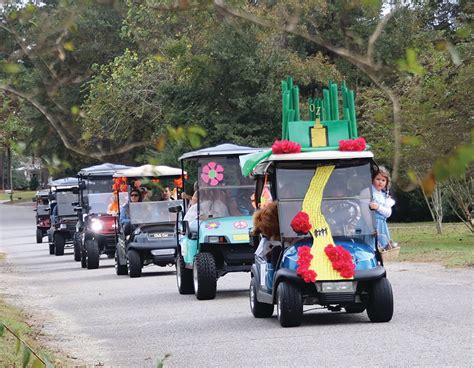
{"x": 265, "y": 222}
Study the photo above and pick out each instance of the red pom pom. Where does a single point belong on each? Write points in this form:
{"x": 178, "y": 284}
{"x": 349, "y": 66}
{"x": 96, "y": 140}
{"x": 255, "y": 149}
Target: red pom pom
{"x": 304, "y": 261}
{"x": 116, "y": 187}
{"x": 357, "y": 144}
{"x": 123, "y": 187}
{"x": 300, "y": 223}
{"x": 285, "y": 146}
{"x": 341, "y": 260}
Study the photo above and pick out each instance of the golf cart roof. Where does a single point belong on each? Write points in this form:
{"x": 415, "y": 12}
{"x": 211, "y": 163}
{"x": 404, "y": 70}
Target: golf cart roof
{"x": 63, "y": 182}
{"x": 106, "y": 169}
{"x": 150, "y": 171}
{"x": 262, "y": 166}
{"x": 42, "y": 193}
{"x": 226, "y": 149}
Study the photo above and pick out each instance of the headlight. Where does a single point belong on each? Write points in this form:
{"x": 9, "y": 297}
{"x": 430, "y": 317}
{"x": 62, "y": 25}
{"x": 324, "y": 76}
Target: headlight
{"x": 96, "y": 225}
{"x": 336, "y": 287}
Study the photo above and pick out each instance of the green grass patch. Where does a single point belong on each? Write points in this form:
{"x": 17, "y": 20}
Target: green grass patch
{"x": 420, "y": 243}
{"x": 18, "y": 196}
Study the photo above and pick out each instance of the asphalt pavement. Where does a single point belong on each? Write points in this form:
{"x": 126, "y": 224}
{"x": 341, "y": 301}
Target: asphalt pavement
{"x": 100, "y": 318}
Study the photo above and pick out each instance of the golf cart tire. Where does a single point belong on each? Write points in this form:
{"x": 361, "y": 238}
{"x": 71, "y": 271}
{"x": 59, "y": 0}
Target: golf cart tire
{"x": 83, "y": 258}
{"x": 184, "y": 277}
{"x": 77, "y": 251}
{"x": 120, "y": 270}
{"x": 356, "y": 308}
{"x": 134, "y": 263}
{"x": 380, "y": 305}
{"x": 205, "y": 276}
{"x": 59, "y": 243}
{"x": 259, "y": 310}
{"x": 289, "y": 305}
{"x": 39, "y": 236}
{"x": 51, "y": 248}
{"x": 92, "y": 257}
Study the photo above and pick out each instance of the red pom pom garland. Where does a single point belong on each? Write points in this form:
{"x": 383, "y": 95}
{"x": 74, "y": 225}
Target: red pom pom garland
{"x": 357, "y": 144}
{"x": 304, "y": 261}
{"x": 300, "y": 223}
{"x": 284, "y": 146}
{"x": 341, "y": 260}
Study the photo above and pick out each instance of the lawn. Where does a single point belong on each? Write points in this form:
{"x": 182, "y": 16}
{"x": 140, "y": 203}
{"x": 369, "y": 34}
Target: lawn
{"x": 420, "y": 243}
{"x": 18, "y": 196}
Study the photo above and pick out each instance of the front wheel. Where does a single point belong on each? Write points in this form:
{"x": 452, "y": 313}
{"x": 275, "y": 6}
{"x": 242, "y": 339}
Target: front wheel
{"x": 259, "y": 310}
{"x": 134, "y": 263}
{"x": 59, "y": 243}
{"x": 184, "y": 277}
{"x": 205, "y": 276}
{"x": 289, "y": 305}
{"x": 39, "y": 236}
{"x": 92, "y": 254}
{"x": 380, "y": 305}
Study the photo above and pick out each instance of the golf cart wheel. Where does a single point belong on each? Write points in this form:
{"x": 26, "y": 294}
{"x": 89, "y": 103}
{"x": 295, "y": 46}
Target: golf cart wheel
{"x": 184, "y": 277}
{"x": 355, "y": 308}
{"x": 77, "y": 251}
{"x": 289, "y": 305}
{"x": 134, "y": 263}
{"x": 205, "y": 276}
{"x": 39, "y": 236}
{"x": 259, "y": 310}
{"x": 380, "y": 305}
{"x": 83, "y": 257}
{"x": 92, "y": 254}
{"x": 59, "y": 243}
{"x": 120, "y": 270}
{"x": 51, "y": 248}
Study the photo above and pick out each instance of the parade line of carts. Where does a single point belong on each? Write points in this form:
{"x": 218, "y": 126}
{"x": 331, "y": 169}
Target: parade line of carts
{"x": 211, "y": 235}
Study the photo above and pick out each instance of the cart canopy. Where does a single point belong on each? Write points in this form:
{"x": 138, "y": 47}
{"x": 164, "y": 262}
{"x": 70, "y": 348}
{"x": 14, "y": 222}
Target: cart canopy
{"x": 106, "y": 169}
{"x": 150, "y": 171}
{"x": 226, "y": 149}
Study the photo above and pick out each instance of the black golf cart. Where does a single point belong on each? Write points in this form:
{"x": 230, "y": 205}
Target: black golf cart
{"x": 146, "y": 231}
{"x": 63, "y": 200}
{"x": 95, "y": 230}
{"x": 216, "y": 240}
{"x": 43, "y": 221}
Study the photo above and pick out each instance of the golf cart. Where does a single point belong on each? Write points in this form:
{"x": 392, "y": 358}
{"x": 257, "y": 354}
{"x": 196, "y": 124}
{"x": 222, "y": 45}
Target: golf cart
{"x": 63, "y": 216}
{"x": 326, "y": 254}
{"x": 146, "y": 232}
{"x": 95, "y": 230}
{"x": 43, "y": 222}
{"x": 216, "y": 242}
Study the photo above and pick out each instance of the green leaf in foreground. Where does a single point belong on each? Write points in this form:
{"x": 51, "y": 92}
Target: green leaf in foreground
{"x": 37, "y": 364}
{"x": 2, "y": 329}
{"x": 26, "y": 356}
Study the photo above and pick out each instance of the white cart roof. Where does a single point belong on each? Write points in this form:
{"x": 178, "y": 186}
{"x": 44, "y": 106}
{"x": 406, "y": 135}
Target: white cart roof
{"x": 220, "y": 150}
{"x": 148, "y": 171}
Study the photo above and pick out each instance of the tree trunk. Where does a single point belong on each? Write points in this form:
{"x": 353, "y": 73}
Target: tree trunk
{"x": 10, "y": 171}
{"x": 435, "y": 205}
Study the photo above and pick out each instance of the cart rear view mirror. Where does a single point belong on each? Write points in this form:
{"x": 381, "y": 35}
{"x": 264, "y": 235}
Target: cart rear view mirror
{"x": 127, "y": 228}
{"x": 175, "y": 209}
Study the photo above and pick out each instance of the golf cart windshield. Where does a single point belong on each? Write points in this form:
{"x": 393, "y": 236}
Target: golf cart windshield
{"x": 42, "y": 210}
{"x": 344, "y": 202}
{"x": 223, "y": 191}
{"x": 152, "y": 212}
{"x": 99, "y": 185}
{"x": 65, "y": 202}
{"x": 99, "y": 203}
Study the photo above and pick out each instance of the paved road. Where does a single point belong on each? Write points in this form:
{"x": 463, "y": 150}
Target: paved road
{"x": 97, "y": 316}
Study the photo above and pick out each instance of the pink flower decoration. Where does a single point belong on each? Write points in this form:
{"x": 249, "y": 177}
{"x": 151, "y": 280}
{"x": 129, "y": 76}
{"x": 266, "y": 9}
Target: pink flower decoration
{"x": 212, "y": 173}
{"x": 357, "y": 144}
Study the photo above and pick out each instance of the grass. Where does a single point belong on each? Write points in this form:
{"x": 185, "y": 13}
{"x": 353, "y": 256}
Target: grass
{"x": 18, "y": 196}
{"x": 420, "y": 243}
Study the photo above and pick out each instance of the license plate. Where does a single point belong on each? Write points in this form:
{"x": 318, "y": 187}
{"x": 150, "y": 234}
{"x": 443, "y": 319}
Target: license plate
{"x": 240, "y": 237}
{"x": 160, "y": 235}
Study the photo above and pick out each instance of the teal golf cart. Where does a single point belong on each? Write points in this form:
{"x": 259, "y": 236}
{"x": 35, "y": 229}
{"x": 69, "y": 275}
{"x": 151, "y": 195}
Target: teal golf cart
{"x": 214, "y": 231}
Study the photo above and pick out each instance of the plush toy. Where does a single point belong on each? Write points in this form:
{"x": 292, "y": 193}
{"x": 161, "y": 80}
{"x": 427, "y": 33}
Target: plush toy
{"x": 265, "y": 222}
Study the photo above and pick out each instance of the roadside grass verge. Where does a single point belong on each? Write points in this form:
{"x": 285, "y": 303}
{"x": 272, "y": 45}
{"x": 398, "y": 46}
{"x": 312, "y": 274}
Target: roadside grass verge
{"x": 420, "y": 243}
{"x": 18, "y": 196}
{"x": 12, "y": 352}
